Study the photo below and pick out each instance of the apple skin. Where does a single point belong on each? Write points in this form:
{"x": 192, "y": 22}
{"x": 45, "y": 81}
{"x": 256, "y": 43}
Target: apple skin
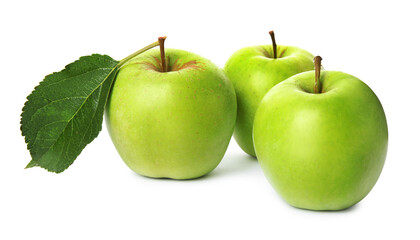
{"x": 253, "y": 71}
{"x": 321, "y": 151}
{"x": 174, "y": 124}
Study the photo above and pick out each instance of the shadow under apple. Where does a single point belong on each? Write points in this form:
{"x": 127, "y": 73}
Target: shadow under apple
{"x": 231, "y": 164}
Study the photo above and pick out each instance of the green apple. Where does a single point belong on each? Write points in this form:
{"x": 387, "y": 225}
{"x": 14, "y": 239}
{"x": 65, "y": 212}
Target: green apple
{"x": 172, "y": 119}
{"x": 255, "y": 70}
{"x": 322, "y": 147}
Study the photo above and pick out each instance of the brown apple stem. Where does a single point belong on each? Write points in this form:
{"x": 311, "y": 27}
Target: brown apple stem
{"x": 162, "y": 53}
{"x": 273, "y": 39}
{"x": 317, "y": 63}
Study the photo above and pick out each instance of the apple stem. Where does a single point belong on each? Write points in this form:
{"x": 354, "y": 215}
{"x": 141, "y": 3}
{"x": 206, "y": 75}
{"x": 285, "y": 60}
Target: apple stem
{"x": 162, "y": 53}
{"x": 150, "y": 46}
{"x": 274, "y": 43}
{"x": 317, "y": 63}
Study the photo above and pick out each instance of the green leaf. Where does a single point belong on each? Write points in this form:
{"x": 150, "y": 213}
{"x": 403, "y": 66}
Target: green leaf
{"x": 65, "y": 111}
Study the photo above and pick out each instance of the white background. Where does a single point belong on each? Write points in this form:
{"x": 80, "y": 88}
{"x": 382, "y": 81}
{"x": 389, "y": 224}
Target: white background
{"x": 98, "y": 197}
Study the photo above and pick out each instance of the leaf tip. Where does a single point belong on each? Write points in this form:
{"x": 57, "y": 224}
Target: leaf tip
{"x": 31, "y": 164}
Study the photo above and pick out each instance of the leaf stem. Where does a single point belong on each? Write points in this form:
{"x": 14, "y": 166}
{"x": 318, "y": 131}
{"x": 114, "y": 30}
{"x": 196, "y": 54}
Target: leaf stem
{"x": 317, "y": 63}
{"x": 273, "y": 40}
{"x": 150, "y": 46}
{"x": 162, "y": 53}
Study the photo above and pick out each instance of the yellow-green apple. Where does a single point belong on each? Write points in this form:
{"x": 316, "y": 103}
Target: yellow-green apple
{"x": 322, "y": 146}
{"x": 255, "y": 70}
{"x": 172, "y": 118}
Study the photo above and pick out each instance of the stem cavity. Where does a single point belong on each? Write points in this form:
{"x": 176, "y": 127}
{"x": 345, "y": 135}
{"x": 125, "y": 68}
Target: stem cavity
{"x": 273, "y": 39}
{"x": 317, "y": 63}
{"x": 162, "y": 53}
